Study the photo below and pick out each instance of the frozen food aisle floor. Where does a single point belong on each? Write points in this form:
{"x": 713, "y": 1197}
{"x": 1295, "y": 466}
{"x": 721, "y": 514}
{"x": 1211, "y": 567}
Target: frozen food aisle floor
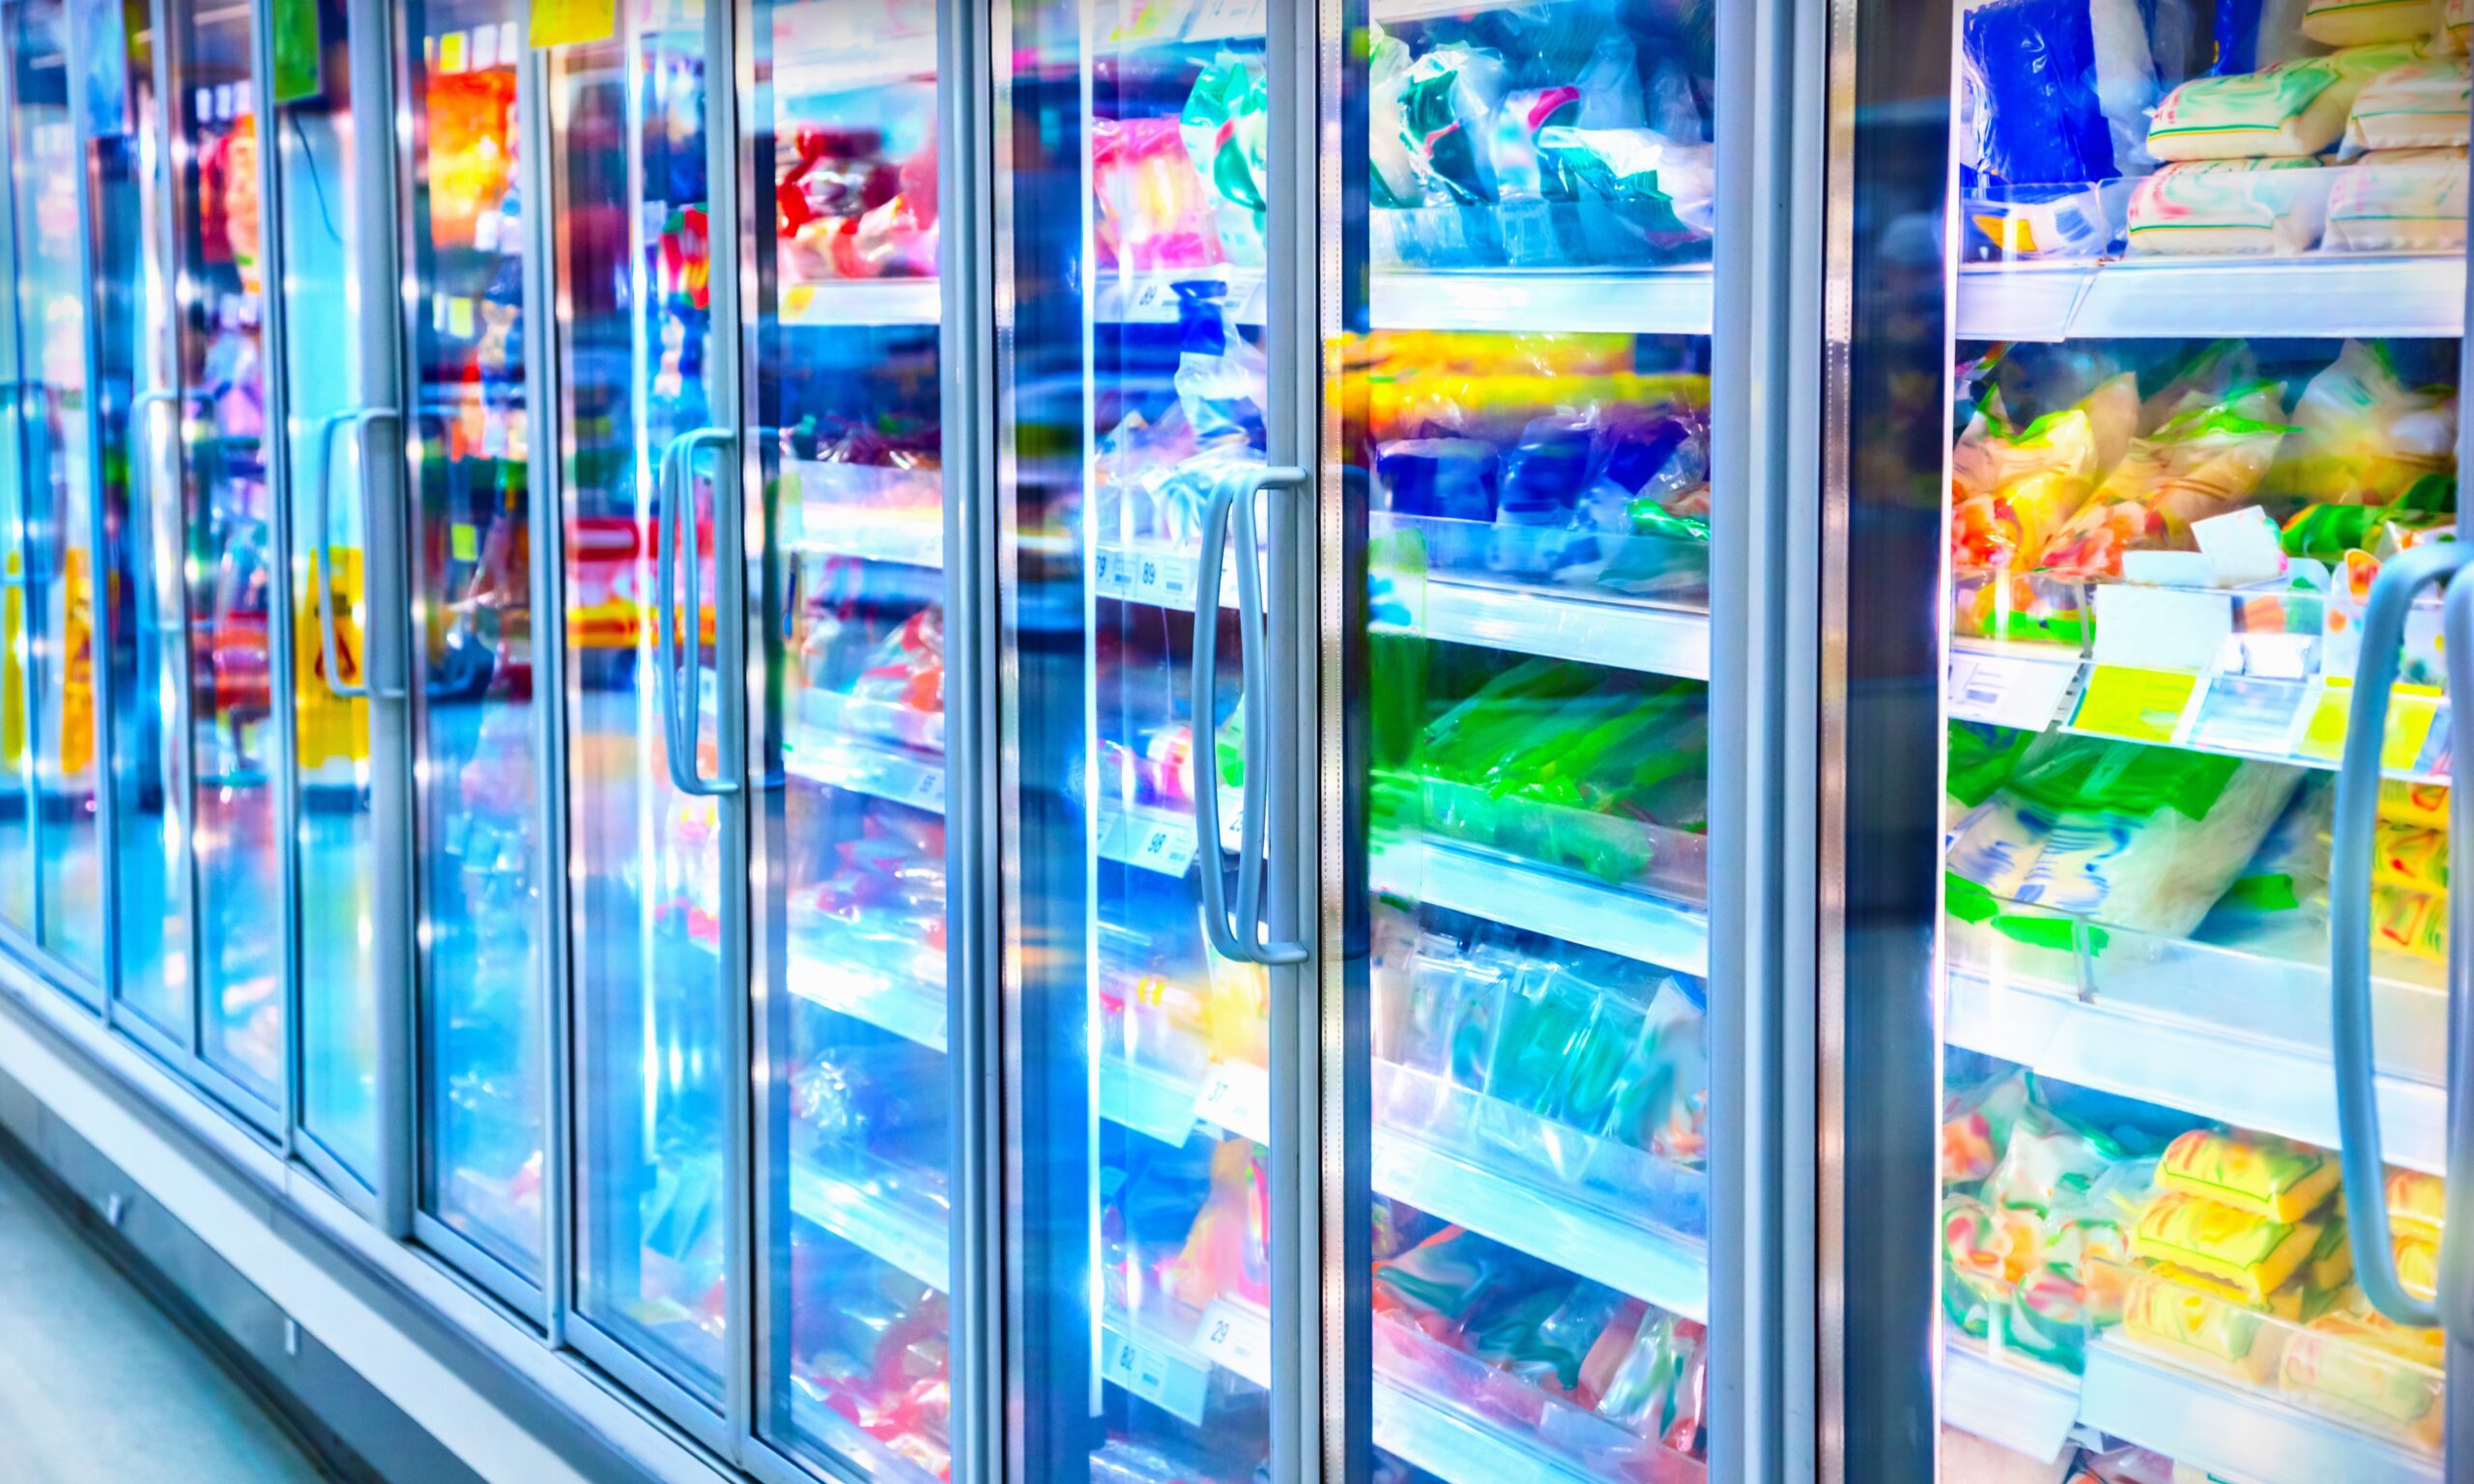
{"x": 97, "y": 1382}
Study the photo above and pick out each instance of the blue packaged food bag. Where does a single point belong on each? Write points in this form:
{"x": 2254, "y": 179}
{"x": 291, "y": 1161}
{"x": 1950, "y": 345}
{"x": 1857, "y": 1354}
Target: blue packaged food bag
{"x": 2032, "y": 73}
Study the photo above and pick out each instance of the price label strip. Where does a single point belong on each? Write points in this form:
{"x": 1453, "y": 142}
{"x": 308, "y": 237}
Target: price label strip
{"x": 2008, "y": 691}
{"x": 2319, "y": 730}
{"x": 2138, "y": 705}
{"x": 1158, "y": 1374}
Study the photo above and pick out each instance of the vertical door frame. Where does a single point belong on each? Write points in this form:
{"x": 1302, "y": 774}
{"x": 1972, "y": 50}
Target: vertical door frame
{"x": 1890, "y": 159}
{"x": 974, "y": 749}
{"x": 386, "y": 601}
{"x": 545, "y": 508}
{"x": 1764, "y": 640}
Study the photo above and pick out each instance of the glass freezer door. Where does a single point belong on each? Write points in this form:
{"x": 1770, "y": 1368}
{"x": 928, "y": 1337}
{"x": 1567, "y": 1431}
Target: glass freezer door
{"x": 230, "y": 565}
{"x": 650, "y": 908}
{"x": 479, "y": 727}
{"x": 144, "y": 633}
{"x": 2196, "y": 413}
{"x": 1134, "y": 374}
{"x": 1525, "y": 399}
{"x": 342, "y": 429}
{"x": 52, "y": 406}
{"x": 848, "y": 402}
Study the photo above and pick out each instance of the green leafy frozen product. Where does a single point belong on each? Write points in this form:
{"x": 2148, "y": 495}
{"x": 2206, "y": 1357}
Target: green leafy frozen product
{"x": 2146, "y": 837}
{"x": 1585, "y": 1096}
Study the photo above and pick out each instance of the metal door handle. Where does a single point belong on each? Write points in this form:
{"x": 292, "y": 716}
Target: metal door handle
{"x": 2349, "y": 868}
{"x": 321, "y": 521}
{"x": 1240, "y": 938}
{"x": 682, "y": 705}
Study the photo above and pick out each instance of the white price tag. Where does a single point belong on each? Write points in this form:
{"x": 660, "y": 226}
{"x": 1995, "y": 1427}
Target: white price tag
{"x": 2008, "y": 691}
{"x": 1174, "y": 1385}
{"x": 1237, "y": 1095}
{"x": 1177, "y": 580}
{"x": 1237, "y": 1339}
{"x": 1164, "y": 845}
{"x": 1150, "y": 577}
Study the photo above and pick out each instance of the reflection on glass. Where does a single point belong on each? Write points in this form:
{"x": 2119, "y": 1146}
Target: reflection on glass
{"x": 635, "y": 333}
{"x": 146, "y": 633}
{"x": 1537, "y": 738}
{"x": 339, "y": 990}
{"x": 847, "y": 369}
{"x": 481, "y": 1010}
{"x": 231, "y": 570}
{"x": 58, "y": 488}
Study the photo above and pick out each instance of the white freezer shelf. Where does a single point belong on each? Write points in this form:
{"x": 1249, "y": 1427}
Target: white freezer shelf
{"x": 2030, "y": 1411}
{"x": 2328, "y": 295}
{"x": 858, "y": 765}
{"x": 826, "y": 302}
{"x": 906, "y": 1239}
{"x": 911, "y": 1009}
{"x": 2210, "y": 1425}
{"x": 1449, "y": 1442}
{"x": 1651, "y": 929}
{"x": 1554, "y": 625}
{"x": 1666, "y": 301}
{"x": 1649, "y": 1264}
{"x": 2214, "y": 1070}
{"x": 867, "y": 536}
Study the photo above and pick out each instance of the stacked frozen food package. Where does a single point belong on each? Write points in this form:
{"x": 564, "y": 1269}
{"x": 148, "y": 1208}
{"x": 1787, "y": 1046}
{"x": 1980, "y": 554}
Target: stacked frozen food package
{"x": 2172, "y": 486}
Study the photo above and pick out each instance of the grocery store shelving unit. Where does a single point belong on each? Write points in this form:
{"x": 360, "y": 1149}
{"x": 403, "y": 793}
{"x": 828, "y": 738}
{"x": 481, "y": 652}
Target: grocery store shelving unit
{"x": 2330, "y": 294}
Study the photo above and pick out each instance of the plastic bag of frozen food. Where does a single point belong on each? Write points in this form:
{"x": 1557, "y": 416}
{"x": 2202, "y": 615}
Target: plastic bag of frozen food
{"x": 1976, "y": 1125}
{"x": 1154, "y": 210}
{"x": 1448, "y": 103}
{"x": 1220, "y": 375}
{"x": 2455, "y": 25}
{"x": 1660, "y": 1389}
{"x": 2422, "y": 103}
{"x": 2361, "y": 436}
{"x": 901, "y": 694}
{"x": 1456, "y": 1281}
{"x": 2329, "y": 534}
{"x": 2010, "y": 490}
{"x": 2293, "y": 108}
{"x": 1636, "y": 185}
{"x": 2202, "y": 462}
{"x": 2208, "y": 377}
{"x": 2361, "y": 22}
{"x": 2141, "y": 837}
{"x": 2231, "y": 206}
{"x": 2031, "y": 99}
{"x": 2399, "y": 201}
{"x": 1224, "y": 123}
{"x": 1660, "y": 1097}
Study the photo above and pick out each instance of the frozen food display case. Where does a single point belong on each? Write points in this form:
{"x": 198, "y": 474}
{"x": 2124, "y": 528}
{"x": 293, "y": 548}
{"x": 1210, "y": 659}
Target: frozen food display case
{"x": 2161, "y": 391}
